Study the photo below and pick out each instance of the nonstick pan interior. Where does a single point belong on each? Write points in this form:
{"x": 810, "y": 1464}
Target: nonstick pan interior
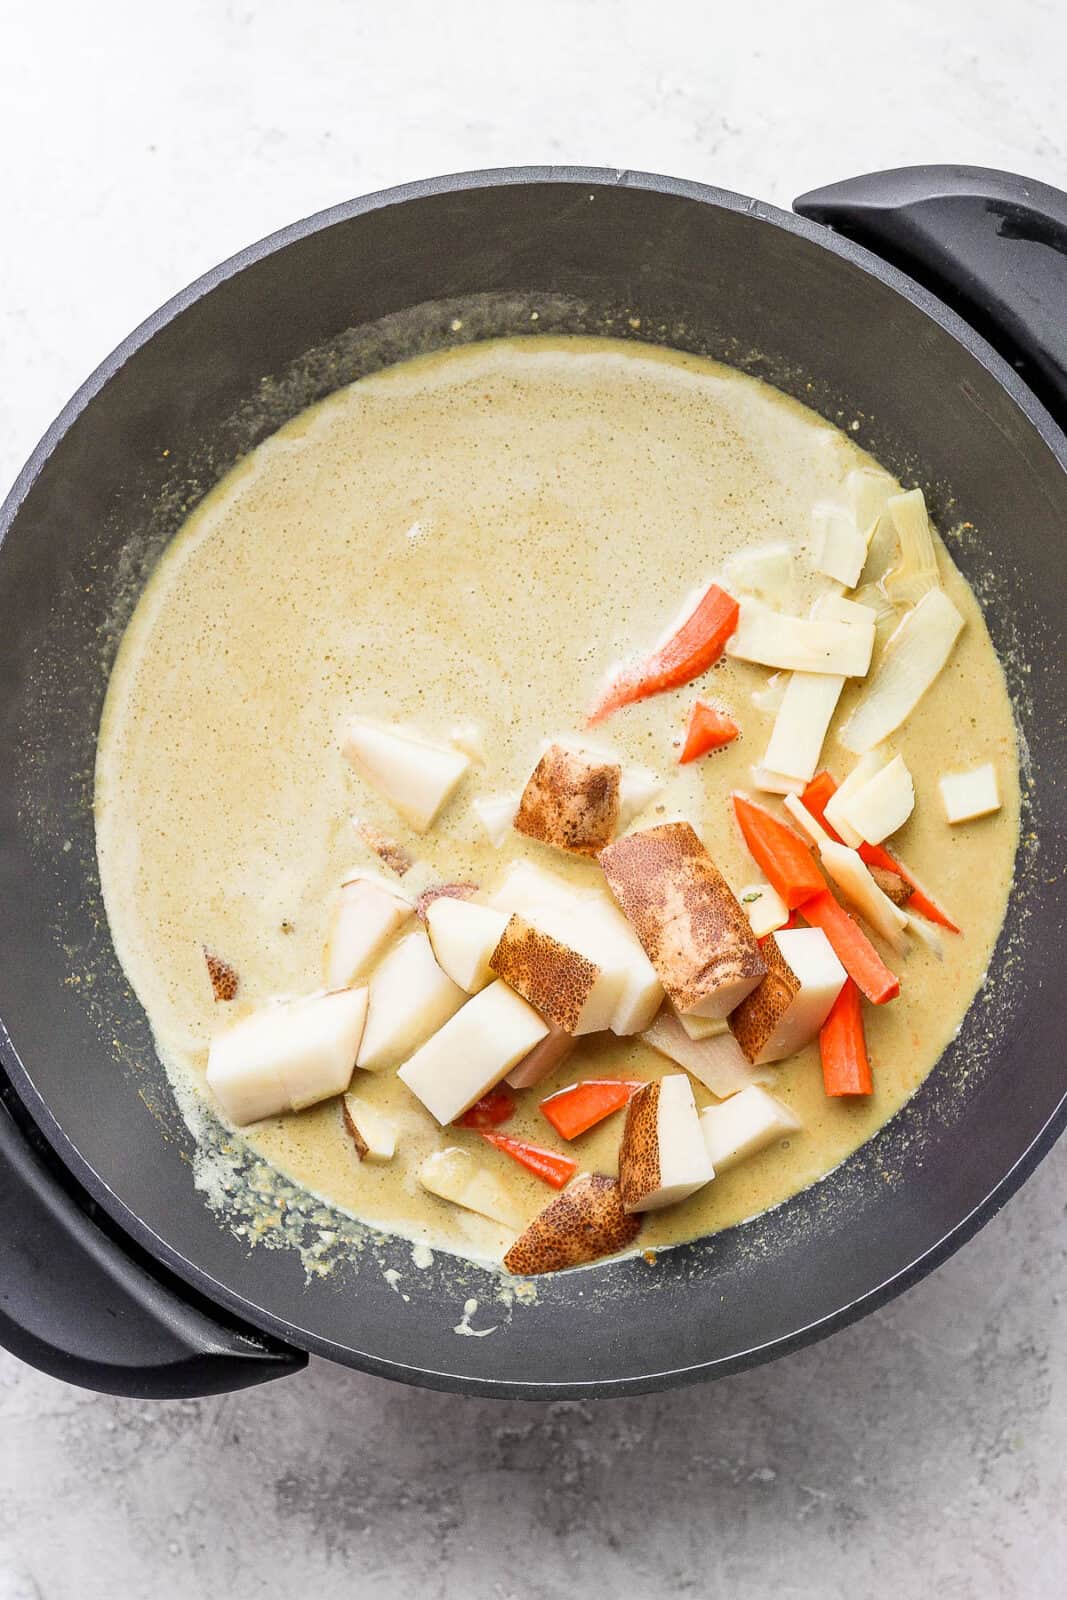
{"x": 219, "y": 370}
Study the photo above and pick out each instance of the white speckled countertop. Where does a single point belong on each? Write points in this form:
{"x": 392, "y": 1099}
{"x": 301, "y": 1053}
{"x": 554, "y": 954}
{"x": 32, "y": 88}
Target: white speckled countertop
{"x": 922, "y": 1452}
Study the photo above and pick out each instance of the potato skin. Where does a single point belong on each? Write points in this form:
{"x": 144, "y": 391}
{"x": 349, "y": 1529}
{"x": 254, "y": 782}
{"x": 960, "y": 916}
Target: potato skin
{"x": 570, "y": 802}
{"x": 582, "y": 1224}
{"x": 692, "y": 928}
{"x": 892, "y": 885}
{"x": 552, "y": 978}
{"x": 639, "y": 1166}
{"x": 755, "y": 1019}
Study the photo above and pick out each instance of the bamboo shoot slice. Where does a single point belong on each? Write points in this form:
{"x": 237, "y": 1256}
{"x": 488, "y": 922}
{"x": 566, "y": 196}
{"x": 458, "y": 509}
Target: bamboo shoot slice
{"x": 883, "y": 804}
{"x": 839, "y": 549}
{"x": 837, "y": 806}
{"x": 800, "y": 644}
{"x": 853, "y": 877}
{"x": 914, "y": 655}
{"x": 915, "y": 573}
{"x": 801, "y": 725}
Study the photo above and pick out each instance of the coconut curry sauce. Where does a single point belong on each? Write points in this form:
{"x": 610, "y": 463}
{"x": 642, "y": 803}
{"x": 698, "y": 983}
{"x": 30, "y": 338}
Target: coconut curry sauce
{"x": 471, "y": 539}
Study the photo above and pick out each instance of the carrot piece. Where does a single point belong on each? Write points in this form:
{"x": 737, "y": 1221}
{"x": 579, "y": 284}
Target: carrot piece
{"x": 782, "y": 855}
{"x": 581, "y": 1106}
{"x": 818, "y": 792}
{"x": 690, "y": 650}
{"x": 852, "y": 947}
{"x": 707, "y": 729}
{"x": 493, "y": 1108}
{"x": 545, "y": 1164}
{"x": 845, "y": 1067}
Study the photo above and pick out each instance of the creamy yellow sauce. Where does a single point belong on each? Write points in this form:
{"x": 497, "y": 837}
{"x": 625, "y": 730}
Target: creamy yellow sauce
{"x": 472, "y": 538}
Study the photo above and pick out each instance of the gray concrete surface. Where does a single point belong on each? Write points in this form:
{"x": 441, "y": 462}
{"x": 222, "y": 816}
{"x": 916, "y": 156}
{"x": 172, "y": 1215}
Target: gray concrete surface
{"x": 919, "y": 1453}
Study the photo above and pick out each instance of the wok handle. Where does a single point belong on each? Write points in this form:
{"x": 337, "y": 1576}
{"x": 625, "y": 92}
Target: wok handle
{"x": 77, "y": 1302}
{"x": 991, "y": 245}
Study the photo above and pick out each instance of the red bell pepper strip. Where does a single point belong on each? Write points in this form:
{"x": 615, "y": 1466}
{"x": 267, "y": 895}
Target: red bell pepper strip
{"x": 706, "y": 730}
{"x": 816, "y": 797}
{"x": 690, "y": 650}
{"x": 780, "y": 853}
{"x": 579, "y": 1107}
{"x": 852, "y": 947}
{"x": 843, "y": 1047}
{"x": 545, "y": 1164}
{"x": 488, "y": 1112}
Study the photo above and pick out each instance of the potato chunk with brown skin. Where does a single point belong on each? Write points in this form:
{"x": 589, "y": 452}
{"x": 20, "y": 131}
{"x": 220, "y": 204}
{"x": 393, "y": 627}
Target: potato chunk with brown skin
{"x": 555, "y": 979}
{"x": 687, "y": 918}
{"x": 892, "y": 885}
{"x": 224, "y": 980}
{"x": 582, "y": 1224}
{"x": 544, "y": 1058}
{"x": 755, "y": 1019}
{"x": 570, "y": 802}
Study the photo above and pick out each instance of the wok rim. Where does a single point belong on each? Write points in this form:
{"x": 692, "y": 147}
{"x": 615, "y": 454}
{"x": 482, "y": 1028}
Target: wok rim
{"x": 189, "y": 1272}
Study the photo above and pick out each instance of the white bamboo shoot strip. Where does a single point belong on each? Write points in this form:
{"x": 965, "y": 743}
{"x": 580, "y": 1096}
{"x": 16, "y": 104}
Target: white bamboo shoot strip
{"x": 883, "y": 804}
{"x": 852, "y": 876}
{"x": 967, "y": 795}
{"x": 766, "y": 572}
{"x": 800, "y": 644}
{"x": 718, "y": 1063}
{"x": 914, "y": 655}
{"x": 868, "y": 494}
{"x": 837, "y": 805}
{"x": 838, "y": 548}
{"x": 915, "y": 574}
{"x": 832, "y": 607}
{"x": 801, "y": 725}
{"x": 775, "y": 782}
{"x": 770, "y": 696}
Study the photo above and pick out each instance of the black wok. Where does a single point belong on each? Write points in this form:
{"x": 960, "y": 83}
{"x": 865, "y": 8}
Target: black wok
{"x": 114, "y": 1270}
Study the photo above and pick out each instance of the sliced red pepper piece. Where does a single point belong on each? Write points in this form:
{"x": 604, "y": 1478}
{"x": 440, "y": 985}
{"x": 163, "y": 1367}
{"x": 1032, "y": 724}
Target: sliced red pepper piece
{"x": 580, "y": 1106}
{"x": 707, "y": 729}
{"x": 782, "y": 855}
{"x": 852, "y": 947}
{"x": 843, "y": 1046}
{"x": 545, "y": 1164}
{"x": 691, "y": 650}
{"x": 488, "y": 1112}
{"x": 816, "y": 797}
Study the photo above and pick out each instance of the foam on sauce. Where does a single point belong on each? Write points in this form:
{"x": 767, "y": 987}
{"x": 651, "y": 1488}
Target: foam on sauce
{"x": 472, "y": 537}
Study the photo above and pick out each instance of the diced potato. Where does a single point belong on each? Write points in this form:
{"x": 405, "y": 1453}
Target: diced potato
{"x": 570, "y": 802}
{"x": 410, "y": 998}
{"x": 366, "y": 915}
{"x": 454, "y": 1175}
{"x": 565, "y": 985}
{"x": 287, "y": 1055}
{"x": 496, "y": 813}
{"x": 744, "y": 1124}
{"x": 789, "y": 1007}
{"x": 836, "y": 812}
{"x": 839, "y": 548}
{"x": 370, "y": 1130}
{"x": 464, "y": 935}
{"x": 470, "y": 1054}
{"x": 548, "y": 1054}
{"x": 801, "y": 644}
{"x": 588, "y": 919}
{"x": 637, "y": 789}
{"x": 881, "y": 805}
{"x": 685, "y": 915}
{"x": 662, "y": 1158}
{"x": 582, "y": 1224}
{"x": 915, "y": 653}
{"x": 967, "y": 795}
{"x": 764, "y": 907}
{"x": 717, "y": 1062}
{"x": 801, "y": 725}
{"x": 525, "y": 887}
{"x": 414, "y": 775}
